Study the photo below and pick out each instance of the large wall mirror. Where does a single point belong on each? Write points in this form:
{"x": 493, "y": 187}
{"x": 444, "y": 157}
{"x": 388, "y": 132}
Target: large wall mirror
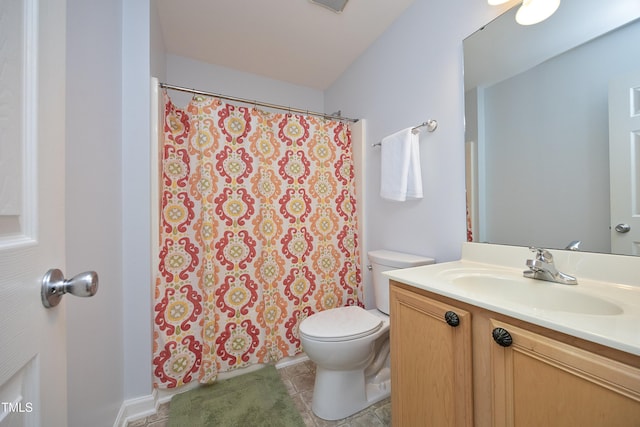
{"x": 552, "y": 116}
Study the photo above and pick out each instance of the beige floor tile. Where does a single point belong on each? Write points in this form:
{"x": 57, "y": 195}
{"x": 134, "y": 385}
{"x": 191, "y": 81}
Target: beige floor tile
{"x": 159, "y": 423}
{"x": 138, "y": 423}
{"x": 303, "y": 382}
{"x": 384, "y": 412}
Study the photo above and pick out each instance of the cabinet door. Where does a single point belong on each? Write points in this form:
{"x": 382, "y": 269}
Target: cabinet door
{"x": 538, "y": 381}
{"x": 430, "y": 363}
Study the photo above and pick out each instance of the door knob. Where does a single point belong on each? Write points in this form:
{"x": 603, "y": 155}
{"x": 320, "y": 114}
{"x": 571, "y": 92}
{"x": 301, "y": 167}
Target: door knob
{"x": 623, "y": 228}
{"x": 54, "y": 286}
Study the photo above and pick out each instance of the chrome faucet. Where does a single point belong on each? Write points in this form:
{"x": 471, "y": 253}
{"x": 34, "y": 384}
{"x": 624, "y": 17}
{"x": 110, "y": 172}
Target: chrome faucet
{"x": 542, "y": 268}
{"x": 574, "y": 245}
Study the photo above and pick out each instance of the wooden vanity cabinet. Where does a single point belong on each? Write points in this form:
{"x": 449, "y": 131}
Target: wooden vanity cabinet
{"x": 431, "y": 373}
{"x": 535, "y": 377}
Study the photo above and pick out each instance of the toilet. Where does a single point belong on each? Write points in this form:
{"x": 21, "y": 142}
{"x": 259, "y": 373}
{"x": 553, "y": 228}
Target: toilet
{"x": 350, "y": 345}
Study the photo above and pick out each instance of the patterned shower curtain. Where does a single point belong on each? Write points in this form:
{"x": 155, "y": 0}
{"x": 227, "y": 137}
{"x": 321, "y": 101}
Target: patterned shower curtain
{"x": 258, "y": 232}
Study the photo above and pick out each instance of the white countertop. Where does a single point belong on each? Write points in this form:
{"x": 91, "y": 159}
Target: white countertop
{"x": 619, "y": 329}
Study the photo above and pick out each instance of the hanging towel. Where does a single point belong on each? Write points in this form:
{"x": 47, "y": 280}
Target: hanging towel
{"x": 401, "y": 178}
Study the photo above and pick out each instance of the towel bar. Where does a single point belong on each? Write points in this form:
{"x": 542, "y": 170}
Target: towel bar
{"x": 430, "y": 124}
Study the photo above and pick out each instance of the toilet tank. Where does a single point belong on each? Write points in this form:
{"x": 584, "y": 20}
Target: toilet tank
{"x": 384, "y": 260}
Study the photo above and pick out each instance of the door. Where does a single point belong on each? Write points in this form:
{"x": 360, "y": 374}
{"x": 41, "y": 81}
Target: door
{"x": 539, "y": 381}
{"x": 624, "y": 160}
{"x": 32, "y": 104}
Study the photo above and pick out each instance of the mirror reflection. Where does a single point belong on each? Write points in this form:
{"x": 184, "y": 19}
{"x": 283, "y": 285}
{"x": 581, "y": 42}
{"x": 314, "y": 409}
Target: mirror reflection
{"x": 551, "y": 126}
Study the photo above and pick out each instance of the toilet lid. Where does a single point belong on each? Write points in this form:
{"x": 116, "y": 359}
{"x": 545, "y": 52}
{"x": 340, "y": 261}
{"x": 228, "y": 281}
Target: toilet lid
{"x": 340, "y": 324}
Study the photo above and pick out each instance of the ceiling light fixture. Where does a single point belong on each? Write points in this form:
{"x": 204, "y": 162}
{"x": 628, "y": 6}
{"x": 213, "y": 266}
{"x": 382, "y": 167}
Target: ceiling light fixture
{"x": 335, "y": 5}
{"x": 532, "y": 11}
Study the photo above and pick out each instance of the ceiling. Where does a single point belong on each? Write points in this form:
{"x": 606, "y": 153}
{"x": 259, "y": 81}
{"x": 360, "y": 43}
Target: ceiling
{"x": 294, "y": 41}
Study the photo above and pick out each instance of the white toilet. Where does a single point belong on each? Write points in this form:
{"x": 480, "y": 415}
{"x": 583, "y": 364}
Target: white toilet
{"x": 350, "y": 346}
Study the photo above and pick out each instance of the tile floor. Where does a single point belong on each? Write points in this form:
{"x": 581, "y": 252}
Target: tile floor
{"x": 299, "y": 380}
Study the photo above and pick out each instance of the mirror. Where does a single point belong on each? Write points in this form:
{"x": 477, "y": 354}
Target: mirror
{"x": 537, "y": 124}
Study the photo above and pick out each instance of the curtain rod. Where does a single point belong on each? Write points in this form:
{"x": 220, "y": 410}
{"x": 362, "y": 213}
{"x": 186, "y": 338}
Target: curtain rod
{"x": 253, "y": 102}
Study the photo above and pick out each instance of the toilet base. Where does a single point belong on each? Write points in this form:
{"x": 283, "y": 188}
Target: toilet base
{"x": 339, "y": 394}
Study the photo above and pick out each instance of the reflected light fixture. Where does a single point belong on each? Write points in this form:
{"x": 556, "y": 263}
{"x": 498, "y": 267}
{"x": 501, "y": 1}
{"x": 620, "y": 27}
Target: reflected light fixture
{"x": 532, "y": 11}
{"x": 335, "y": 5}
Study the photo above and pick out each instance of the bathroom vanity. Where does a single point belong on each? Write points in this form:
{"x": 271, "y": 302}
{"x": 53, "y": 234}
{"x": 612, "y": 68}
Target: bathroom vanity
{"x": 473, "y": 343}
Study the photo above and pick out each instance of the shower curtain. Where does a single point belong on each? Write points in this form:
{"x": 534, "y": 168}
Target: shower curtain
{"x": 258, "y": 232}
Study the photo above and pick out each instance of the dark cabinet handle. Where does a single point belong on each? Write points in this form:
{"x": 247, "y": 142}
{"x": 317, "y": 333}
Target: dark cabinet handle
{"x": 502, "y": 337}
{"x": 452, "y": 318}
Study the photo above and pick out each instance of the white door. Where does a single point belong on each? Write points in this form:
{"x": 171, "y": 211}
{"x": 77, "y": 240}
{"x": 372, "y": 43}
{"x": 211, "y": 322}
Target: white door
{"x": 33, "y": 361}
{"x": 624, "y": 158}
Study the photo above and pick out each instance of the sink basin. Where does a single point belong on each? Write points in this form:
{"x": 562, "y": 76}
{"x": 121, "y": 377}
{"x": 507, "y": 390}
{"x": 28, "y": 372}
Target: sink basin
{"x": 534, "y": 293}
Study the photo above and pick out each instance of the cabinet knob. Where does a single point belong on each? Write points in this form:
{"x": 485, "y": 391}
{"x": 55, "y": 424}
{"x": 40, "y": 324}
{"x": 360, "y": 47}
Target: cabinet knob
{"x": 502, "y": 337}
{"x": 452, "y": 318}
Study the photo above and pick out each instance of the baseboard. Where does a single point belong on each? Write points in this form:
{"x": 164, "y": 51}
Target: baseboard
{"x": 145, "y": 406}
{"x": 134, "y": 409}
{"x": 293, "y": 360}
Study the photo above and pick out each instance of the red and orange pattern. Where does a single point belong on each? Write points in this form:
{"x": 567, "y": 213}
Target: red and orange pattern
{"x": 258, "y": 231}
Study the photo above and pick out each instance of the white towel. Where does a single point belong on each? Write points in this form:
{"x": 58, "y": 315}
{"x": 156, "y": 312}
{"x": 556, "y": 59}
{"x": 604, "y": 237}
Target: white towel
{"x": 401, "y": 177}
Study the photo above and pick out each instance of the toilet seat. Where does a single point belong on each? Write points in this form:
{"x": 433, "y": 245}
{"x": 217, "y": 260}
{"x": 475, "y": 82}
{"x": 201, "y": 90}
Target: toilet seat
{"x": 340, "y": 324}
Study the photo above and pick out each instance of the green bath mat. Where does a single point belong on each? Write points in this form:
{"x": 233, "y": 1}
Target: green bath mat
{"x": 256, "y": 399}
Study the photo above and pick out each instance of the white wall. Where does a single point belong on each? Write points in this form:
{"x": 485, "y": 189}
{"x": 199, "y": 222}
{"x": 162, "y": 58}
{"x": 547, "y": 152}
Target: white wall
{"x": 412, "y": 73}
{"x": 157, "y": 54}
{"x": 93, "y": 210}
{"x": 136, "y": 212}
{"x": 194, "y": 74}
